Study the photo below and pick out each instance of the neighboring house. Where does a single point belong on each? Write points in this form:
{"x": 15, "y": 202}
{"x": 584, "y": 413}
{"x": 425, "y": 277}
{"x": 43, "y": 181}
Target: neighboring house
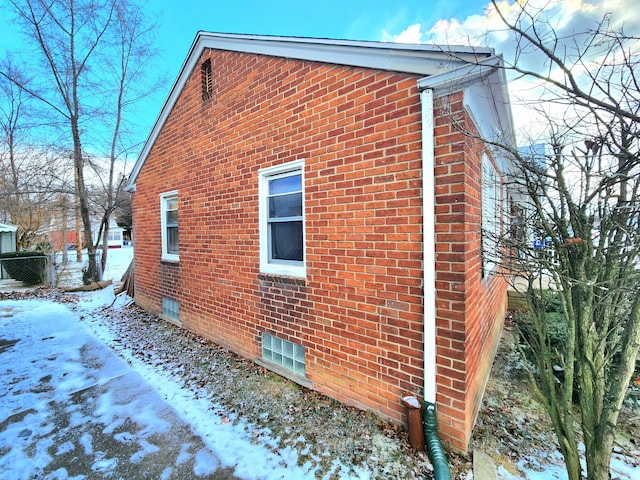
{"x": 116, "y": 236}
{"x": 7, "y": 238}
{"x": 317, "y": 206}
{"x": 57, "y": 242}
{"x": 7, "y": 242}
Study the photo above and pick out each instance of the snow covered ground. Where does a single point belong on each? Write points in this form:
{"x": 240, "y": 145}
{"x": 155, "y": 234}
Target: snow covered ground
{"x": 50, "y": 355}
{"x": 53, "y": 417}
{"x": 72, "y": 409}
{"x": 48, "y": 374}
{"x": 118, "y": 259}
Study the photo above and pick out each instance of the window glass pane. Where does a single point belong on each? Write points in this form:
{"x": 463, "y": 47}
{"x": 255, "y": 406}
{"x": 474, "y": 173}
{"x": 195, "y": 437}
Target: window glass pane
{"x": 276, "y": 344}
{"x": 283, "y": 352}
{"x": 286, "y": 241}
{"x": 172, "y": 217}
{"x": 282, "y": 220}
{"x": 285, "y": 206}
{"x": 172, "y": 203}
{"x": 172, "y": 240}
{"x": 292, "y": 183}
{"x": 170, "y": 308}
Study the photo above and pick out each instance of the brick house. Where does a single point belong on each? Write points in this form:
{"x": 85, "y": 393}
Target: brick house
{"x": 318, "y": 206}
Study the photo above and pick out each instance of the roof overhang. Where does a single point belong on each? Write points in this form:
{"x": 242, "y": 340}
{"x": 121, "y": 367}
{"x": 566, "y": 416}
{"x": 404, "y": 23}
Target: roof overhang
{"x": 420, "y": 59}
{"x": 486, "y": 97}
{"x": 7, "y": 228}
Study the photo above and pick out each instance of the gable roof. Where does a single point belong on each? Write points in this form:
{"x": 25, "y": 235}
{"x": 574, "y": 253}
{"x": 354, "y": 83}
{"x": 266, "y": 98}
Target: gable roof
{"x": 421, "y": 59}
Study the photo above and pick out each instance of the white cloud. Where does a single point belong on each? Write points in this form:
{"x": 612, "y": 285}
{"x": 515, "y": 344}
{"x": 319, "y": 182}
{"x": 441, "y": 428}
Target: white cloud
{"x": 411, "y": 34}
{"x": 567, "y": 19}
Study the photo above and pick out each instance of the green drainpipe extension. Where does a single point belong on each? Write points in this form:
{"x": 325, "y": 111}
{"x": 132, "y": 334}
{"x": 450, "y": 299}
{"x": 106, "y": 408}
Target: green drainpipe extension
{"x": 434, "y": 447}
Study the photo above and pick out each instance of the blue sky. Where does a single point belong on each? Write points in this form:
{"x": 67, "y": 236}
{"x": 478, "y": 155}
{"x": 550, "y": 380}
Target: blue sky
{"x": 347, "y": 19}
{"x": 440, "y": 21}
{"x": 179, "y": 21}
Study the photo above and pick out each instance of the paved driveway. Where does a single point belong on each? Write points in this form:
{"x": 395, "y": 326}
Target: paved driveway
{"x": 70, "y": 408}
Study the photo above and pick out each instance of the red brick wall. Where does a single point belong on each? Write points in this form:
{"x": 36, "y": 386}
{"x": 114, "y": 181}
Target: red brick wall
{"x": 358, "y": 313}
{"x": 470, "y": 306}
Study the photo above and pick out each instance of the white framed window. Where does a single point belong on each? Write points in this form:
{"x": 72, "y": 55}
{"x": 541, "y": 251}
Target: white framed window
{"x": 281, "y": 191}
{"x": 491, "y": 216}
{"x": 169, "y": 225}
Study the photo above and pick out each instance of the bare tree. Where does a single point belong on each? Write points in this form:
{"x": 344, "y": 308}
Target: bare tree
{"x": 132, "y": 48}
{"x": 90, "y": 63}
{"x": 30, "y": 178}
{"x": 577, "y": 224}
{"x": 68, "y": 33}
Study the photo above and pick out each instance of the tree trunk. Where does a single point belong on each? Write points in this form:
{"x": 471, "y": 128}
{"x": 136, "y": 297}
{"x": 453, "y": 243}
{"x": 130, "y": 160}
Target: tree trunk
{"x": 572, "y": 463}
{"x": 65, "y": 255}
{"x": 105, "y": 245}
{"x": 92, "y": 273}
{"x": 598, "y": 458}
{"x": 78, "y": 221}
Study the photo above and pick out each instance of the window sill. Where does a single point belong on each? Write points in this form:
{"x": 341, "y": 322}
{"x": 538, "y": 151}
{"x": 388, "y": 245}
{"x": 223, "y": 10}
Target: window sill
{"x": 170, "y": 259}
{"x": 276, "y": 270}
{"x": 284, "y": 372}
{"x": 283, "y": 279}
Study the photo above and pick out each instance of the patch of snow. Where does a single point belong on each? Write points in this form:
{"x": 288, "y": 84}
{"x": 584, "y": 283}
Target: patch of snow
{"x": 205, "y": 463}
{"x": 166, "y": 473}
{"x": 411, "y": 401}
{"x": 146, "y": 449}
{"x": 118, "y": 260}
{"x": 104, "y": 465}
{"x": 62, "y": 474}
{"x": 184, "y": 454}
{"x": 87, "y": 443}
{"x": 124, "y": 437}
{"x": 554, "y": 469}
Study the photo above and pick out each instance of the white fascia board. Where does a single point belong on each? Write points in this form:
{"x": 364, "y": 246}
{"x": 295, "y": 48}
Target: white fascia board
{"x": 462, "y": 49}
{"x": 406, "y": 58}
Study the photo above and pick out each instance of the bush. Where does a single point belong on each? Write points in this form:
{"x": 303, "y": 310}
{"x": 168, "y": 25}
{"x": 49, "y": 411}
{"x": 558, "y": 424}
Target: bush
{"x": 26, "y": 267}
{"x": 555, "y": 324}
{"x": 556, "y": 327}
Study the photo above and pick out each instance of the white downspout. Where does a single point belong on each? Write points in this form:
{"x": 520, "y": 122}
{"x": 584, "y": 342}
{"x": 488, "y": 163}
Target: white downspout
{"x": 429, "y": 247}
